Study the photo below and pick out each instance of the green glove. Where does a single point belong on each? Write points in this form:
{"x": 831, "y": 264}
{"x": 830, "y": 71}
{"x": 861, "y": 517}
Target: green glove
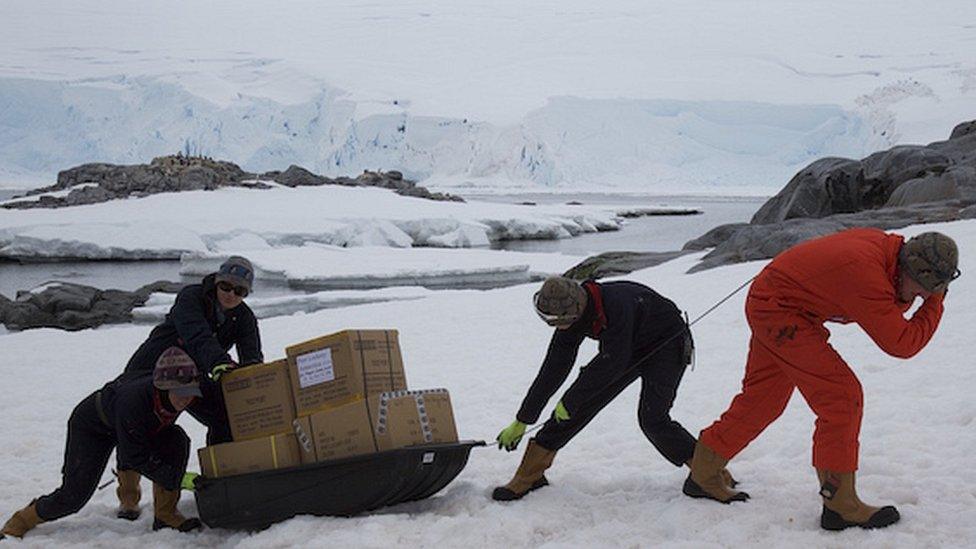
{"x": 560, "y": 413}
{"x": 189, "y": 481}
{"x": 220, "y": 370}
{"x": 510, "y": 436}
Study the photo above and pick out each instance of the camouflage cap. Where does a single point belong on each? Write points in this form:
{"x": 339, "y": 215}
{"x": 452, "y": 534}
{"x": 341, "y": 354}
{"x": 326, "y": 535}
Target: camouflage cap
{"x": 176, "y": 372}
{"x": 931, "y": 259}
{"x": 561, "y": 301}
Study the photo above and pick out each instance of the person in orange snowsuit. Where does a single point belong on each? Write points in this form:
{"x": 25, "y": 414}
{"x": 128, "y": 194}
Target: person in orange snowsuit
{"x": 859, "y": 275}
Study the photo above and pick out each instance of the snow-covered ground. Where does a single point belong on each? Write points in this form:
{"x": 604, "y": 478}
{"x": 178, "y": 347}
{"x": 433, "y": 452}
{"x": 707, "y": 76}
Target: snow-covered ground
{"x": 653, "y": 95}
{"x": 240, "y": 220}
{"x": 609, "y": 487}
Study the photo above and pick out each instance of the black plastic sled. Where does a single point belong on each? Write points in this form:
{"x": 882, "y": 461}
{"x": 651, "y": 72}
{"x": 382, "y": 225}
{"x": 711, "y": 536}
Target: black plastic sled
{"x": 341, "y": 487}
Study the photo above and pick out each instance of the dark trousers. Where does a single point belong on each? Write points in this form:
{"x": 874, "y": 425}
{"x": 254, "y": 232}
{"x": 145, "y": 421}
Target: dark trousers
{"x": 90, "y": 443}
{"x": 660, "y": 375}
{"x": 210, "y": 411}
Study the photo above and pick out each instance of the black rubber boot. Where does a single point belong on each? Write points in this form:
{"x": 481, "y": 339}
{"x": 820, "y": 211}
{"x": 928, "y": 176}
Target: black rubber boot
{"x": 502, "y": 493}
{"x": 187, "y": 525}
{"x": 127, "y": 514}
{"x": 691, "y": 489}
{"x": 886, "y": 516}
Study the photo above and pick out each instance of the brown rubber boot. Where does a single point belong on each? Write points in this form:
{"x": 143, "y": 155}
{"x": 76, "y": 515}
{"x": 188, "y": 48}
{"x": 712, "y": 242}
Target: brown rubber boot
{"x": 529, "y": 475}
{"x": 22, "y": 521}
{"x": 707, "y": 480}
{"x": 166, "y": 513}
{"x": 726, "y": 476}
{"x": 129, "y": 493}
{"x": 843, "y": 509}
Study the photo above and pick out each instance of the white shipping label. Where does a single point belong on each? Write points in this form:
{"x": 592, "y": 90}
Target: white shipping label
{"x": 315, "y": 367}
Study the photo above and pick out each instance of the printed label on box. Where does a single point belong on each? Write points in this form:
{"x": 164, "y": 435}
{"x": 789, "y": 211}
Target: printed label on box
{"x": 315, "y": 367}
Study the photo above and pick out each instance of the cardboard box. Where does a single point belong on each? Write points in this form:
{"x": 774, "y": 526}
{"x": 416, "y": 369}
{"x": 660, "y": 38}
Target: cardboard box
{"x": 343, "y": 367}
{"x": 381, "y": 422}
{"x": 250, "y": 456}
{"x": 258, "y": 400}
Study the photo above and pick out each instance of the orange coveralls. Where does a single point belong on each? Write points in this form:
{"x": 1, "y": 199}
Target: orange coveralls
{"x": 845, "y": 277}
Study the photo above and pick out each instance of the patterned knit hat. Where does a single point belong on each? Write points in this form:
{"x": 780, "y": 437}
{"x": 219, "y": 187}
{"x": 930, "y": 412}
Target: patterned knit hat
{"x": 177, "y": 373}
{"x": 561, "y": 301}
{"x": 931, "y": 259}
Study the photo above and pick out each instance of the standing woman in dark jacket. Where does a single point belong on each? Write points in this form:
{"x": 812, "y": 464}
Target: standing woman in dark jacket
{"x": 136, "y": 418}
{"x": 206, "y": 321}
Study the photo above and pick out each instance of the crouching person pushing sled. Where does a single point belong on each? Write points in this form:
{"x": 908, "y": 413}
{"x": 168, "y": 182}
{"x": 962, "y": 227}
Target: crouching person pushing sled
{"x": 136, "y": 418}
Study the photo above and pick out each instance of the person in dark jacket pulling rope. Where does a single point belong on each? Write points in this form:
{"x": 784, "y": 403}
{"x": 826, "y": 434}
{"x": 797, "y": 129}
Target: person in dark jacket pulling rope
{"x": 630, "y": 321}
{"x": 206, "y": 321}
{"x": 135, "y": 417}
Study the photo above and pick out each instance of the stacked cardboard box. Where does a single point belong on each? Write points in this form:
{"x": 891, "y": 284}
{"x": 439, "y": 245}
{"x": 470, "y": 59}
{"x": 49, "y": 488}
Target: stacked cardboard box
{"x": 333, "y": 370}
{"x": 380, "y": 422}
{"x": 250, "y": 456}
{"x": 336, "y": 396}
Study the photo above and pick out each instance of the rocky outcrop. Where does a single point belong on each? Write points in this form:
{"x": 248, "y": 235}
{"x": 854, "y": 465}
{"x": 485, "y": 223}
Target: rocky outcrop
{"x": 94, "y": 183}
{"x": 905, "y": 185}
{"x": 296, "y": 176}
{"x": 902, "y": 186}
{"x": 901, "y": 176}
{"x": 72, "y": 307}
{"x": 618, "y": 263}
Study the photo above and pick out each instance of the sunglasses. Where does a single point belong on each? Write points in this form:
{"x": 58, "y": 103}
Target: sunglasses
{"x": 239, "y": 291}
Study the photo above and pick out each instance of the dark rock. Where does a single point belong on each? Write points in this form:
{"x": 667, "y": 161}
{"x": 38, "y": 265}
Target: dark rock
{"x": 964, "y": 129}
{"x": 618, "y": 263}
{"x": 98, "y": 182}
{"x": 825, "y": 187}
{"x": 891, "y": 189}
{"x": 905, "y": 185}
{"x": 71, "y": 306}
{"x": 763, "y": 241}
{"x": 755, "y": 242}
{"x": 933, "y": 187}
{"x": 968, "y": 212}
{"x": 296, "y": 176}
{"x": 713, "y": 237}
{"x": 94, "y": 183}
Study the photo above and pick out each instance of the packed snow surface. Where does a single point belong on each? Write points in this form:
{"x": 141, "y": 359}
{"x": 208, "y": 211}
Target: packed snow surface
{"x": 655, "y": 94}
{"x": 609, "y": 486}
